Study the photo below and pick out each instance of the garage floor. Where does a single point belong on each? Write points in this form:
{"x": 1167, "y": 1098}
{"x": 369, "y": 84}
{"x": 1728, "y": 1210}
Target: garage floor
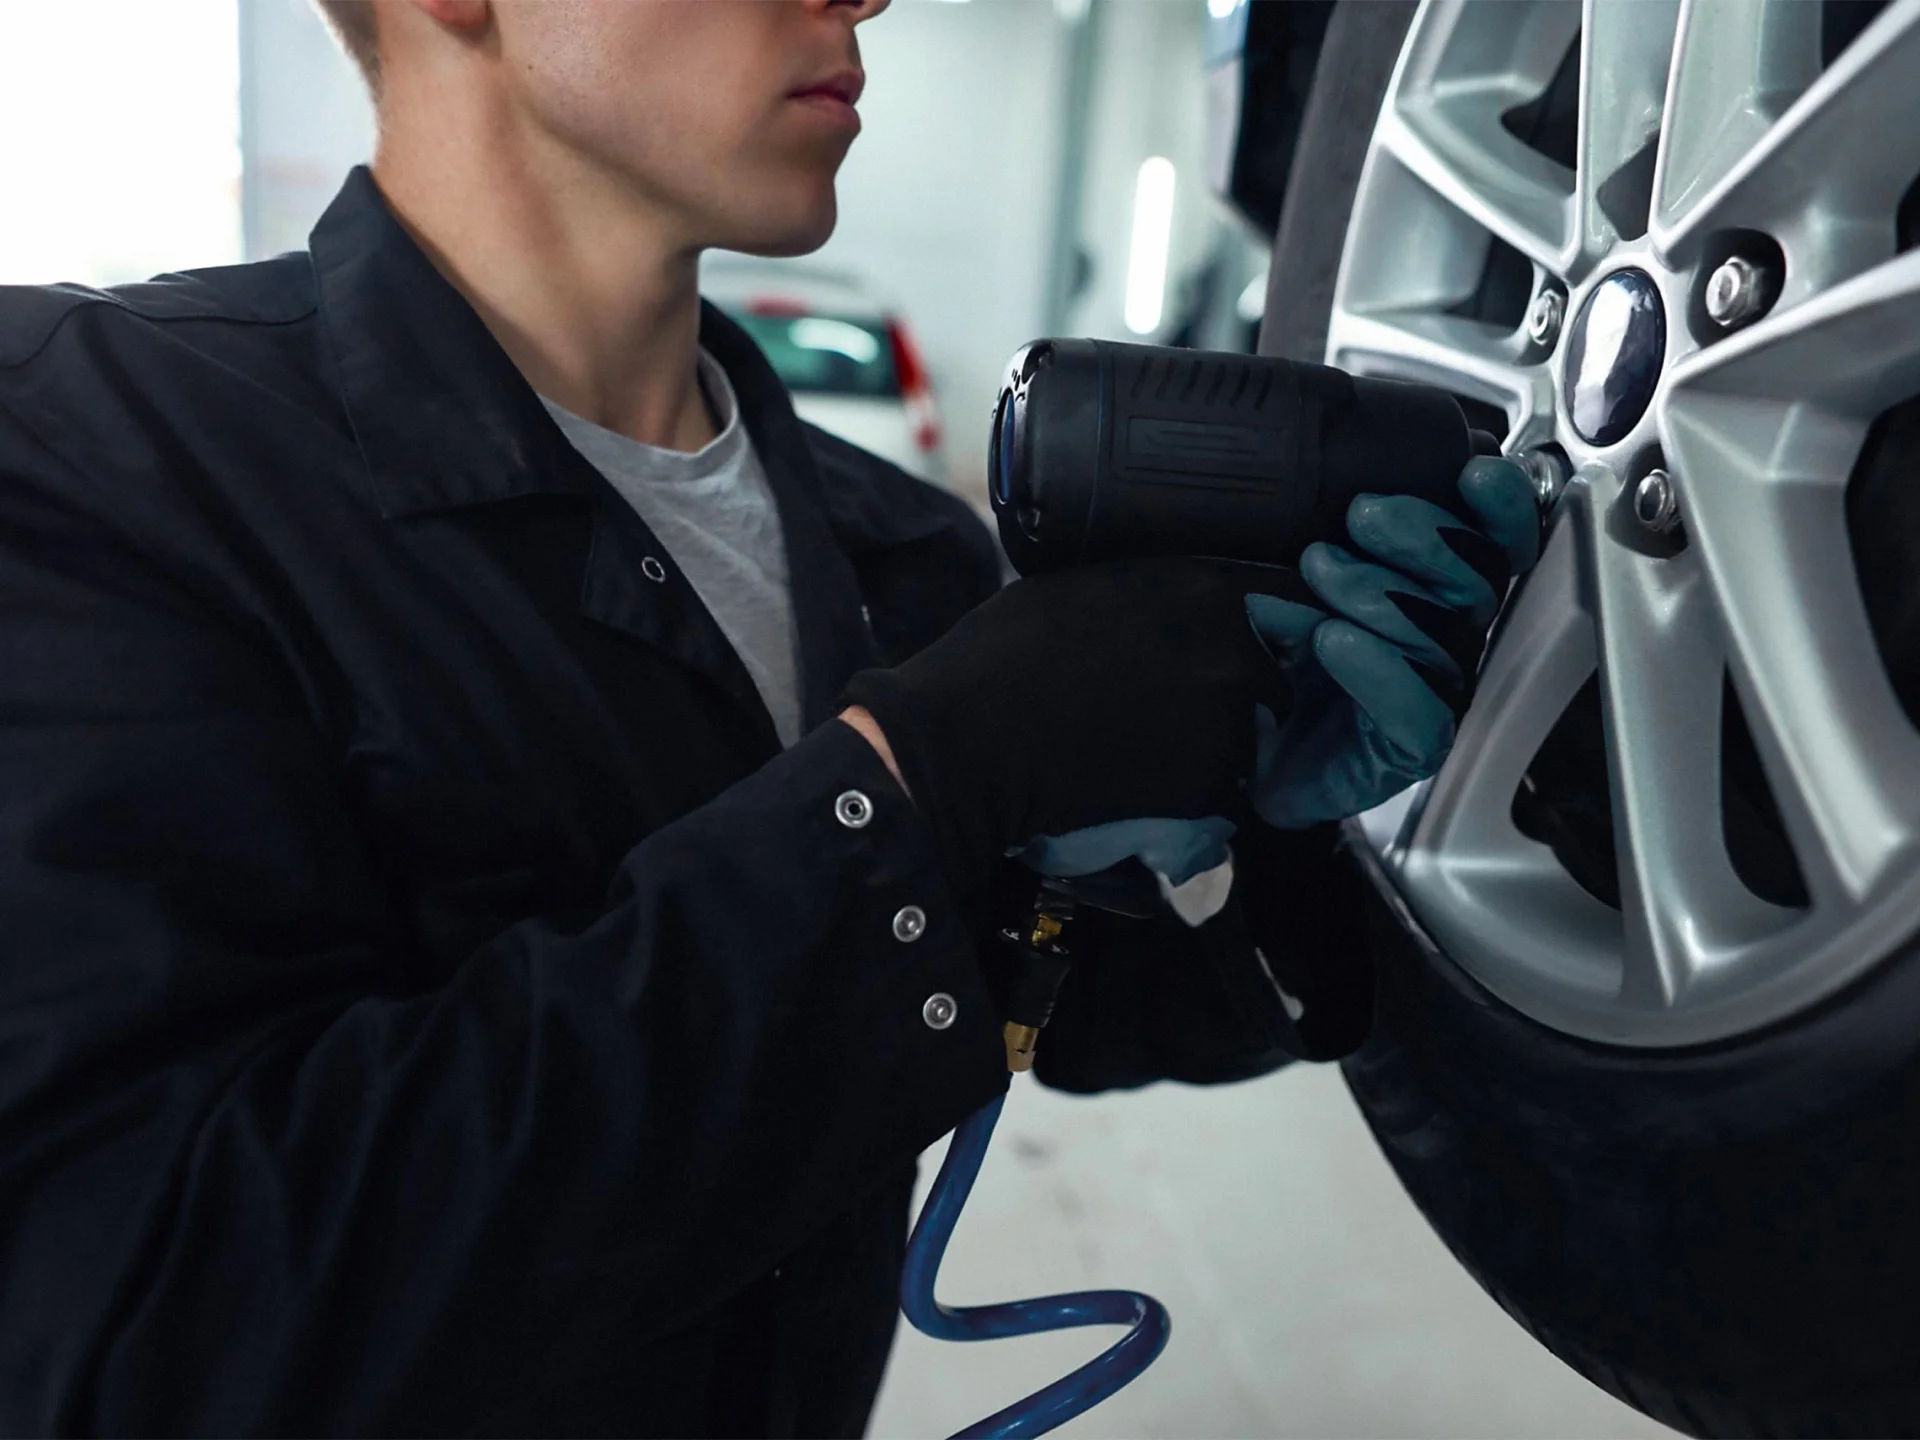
{"x": 1308, "y": 1296}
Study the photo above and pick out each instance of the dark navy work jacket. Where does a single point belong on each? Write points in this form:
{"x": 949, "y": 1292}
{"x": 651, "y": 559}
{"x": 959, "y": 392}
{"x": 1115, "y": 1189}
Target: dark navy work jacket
{"x": 430, "y": 1002}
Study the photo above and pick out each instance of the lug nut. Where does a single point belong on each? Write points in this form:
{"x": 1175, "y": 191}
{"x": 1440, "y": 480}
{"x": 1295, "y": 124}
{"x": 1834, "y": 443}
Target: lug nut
{"x": 1549, "y": 474}
{"x": 1544, "y": 317}
{"x": 1735, "y": 292}
{"x": 1654, "y": 503}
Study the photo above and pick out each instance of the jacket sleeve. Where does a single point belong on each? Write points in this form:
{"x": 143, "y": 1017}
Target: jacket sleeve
{"x": 253, "y": 1179}
{"x": 1282, "y": 973}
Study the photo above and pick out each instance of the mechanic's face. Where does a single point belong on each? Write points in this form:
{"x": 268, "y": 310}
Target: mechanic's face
{"x": 733, "y": 114}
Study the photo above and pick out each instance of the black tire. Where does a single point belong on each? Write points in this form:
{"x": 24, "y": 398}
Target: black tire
{"x": 1356, "y": 60}
{"x": 1724, "y": 1237}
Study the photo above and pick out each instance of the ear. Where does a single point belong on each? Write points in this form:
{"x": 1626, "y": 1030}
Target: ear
{"x": 464, "y": 15}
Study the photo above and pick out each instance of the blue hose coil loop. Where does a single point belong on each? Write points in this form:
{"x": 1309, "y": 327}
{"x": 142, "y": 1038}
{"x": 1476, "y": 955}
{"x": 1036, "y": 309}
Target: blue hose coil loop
{"x": 1071, "y": 1395}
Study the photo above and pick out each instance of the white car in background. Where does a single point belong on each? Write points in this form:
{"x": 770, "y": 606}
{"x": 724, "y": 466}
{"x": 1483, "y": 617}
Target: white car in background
{"x": 849, "y": 361}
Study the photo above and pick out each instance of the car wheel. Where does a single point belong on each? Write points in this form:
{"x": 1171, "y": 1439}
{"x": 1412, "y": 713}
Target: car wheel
{"x": 1647, "y": 1046}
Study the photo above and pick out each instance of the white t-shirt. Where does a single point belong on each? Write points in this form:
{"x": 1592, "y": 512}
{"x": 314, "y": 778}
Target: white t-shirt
{"x": 715, "y": 513}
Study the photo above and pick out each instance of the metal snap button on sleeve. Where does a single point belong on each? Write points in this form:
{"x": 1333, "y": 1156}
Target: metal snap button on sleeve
{"x": 940, "y": 1011}
{"x": 853, "y": 809}
{"x": 910, "y": 924}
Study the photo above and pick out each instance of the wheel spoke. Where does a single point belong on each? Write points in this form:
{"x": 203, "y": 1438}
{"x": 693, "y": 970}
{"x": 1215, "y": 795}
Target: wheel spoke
{"x": 1851, "y": 351}
{"x": 1460, "y": 355}
{"x": 1825, "y": 177}
{"x": 1763, "y": 430}
{"x": 1464, "y": 68}
{"x": 1544, "y": 654}
{"x": 1626, "y": 48}
{"x": 1770, "y": 526}
{"x": 1482, "y": 885}
{"x": 1737, "y": 64}
{"x": 1662, "y": 660}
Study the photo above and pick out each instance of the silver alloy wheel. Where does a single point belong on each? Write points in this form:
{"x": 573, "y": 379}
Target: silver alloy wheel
{"x": 1759, "y": 431}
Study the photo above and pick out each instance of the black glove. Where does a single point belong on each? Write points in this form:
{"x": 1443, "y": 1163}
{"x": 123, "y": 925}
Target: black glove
{"x": 1082, "y": 697}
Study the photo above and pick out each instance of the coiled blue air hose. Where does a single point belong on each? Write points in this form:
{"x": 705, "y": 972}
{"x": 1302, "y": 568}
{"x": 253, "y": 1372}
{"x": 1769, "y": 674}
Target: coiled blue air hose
{"x": 1068, "y": 1396}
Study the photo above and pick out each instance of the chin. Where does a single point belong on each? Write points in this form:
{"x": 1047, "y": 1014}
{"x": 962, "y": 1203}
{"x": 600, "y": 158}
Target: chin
{"x": 798, "y": 227}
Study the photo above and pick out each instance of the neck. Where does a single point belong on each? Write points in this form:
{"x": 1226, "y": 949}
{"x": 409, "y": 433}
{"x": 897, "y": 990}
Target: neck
{"x": 590, "y": 288}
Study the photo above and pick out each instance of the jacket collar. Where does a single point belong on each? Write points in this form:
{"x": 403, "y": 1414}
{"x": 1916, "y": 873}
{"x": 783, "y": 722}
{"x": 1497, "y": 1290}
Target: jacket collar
{"x": 868, "y": 514}
{"x": 444, "y": 419}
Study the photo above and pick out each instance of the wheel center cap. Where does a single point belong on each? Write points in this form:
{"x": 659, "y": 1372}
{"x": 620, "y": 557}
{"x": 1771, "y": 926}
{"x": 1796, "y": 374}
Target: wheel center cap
{"x": 1614, "y": 355}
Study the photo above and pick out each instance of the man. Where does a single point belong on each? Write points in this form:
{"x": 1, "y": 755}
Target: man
{"x": 460, "y": 973}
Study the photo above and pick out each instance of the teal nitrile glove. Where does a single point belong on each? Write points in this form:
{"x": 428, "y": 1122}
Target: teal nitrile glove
{"x": 1177, "y": 849}
{"x": 1426, "y": 580}
{"x": 1378, "y": 683}
{"x": 1190, "y": 859}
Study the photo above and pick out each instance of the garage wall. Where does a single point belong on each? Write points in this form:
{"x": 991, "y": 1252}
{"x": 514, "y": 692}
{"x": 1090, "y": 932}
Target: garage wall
{"x": 1148, "y": 100}
{"x": 304, "y": 122}
{"x": 119, "y": 140}
{"x": 949, "y": 200}
{"x": 946, "y": 203}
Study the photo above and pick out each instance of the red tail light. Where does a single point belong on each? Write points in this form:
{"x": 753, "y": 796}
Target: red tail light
{"x": 907, "y": 366}
{"x": 916, "y": 388}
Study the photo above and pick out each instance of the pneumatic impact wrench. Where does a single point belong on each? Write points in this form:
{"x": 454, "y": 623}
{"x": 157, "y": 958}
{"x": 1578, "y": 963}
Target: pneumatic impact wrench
{"x": 1100, "y": 452}
{"x": 1104, "y": 451}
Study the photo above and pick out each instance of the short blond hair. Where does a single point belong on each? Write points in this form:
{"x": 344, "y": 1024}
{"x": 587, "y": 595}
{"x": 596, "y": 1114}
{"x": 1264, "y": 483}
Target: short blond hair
{"x": 352, "y": 24}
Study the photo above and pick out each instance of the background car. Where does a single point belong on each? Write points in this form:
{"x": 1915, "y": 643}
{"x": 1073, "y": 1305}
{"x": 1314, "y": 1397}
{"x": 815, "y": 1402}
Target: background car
{"x": 849, "y": 361}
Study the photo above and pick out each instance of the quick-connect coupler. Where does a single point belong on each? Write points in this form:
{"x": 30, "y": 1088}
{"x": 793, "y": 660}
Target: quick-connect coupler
{"x": 1038, "y": 959}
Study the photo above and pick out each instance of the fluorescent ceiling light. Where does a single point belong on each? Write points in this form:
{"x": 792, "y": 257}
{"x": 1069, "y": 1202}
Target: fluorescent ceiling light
{"x": 1221, "y": 9}
{"x": 1147, "y": 257}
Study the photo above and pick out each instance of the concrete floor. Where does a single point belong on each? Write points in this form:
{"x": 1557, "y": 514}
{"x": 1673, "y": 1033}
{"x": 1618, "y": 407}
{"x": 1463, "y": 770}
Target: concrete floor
{"x": 1308, "y": 1296}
